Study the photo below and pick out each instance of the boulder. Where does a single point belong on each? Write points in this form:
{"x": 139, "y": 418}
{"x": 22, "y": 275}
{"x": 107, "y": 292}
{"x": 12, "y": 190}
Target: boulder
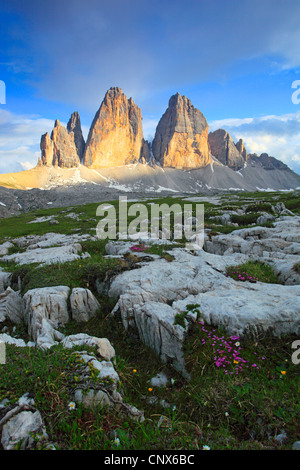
{"x": 5, "y": 338}
{"x": 59, "y": 254}
{"x": 20, "y": 428}
{"x": 264, "y": 218}
{"x": 84, "y": 304}
{"x": 4, "y": 248}
{"x": 104, "y": 347}
{"x": 11, "y": 306}
{"x": 31, "y": 242}
{"x": 149, "y": 298}
{"x": 46, "y": 303}
{"x": 160, "y": 380}
{"x": 105, "y": 392}
{"x": 4, "y": 280}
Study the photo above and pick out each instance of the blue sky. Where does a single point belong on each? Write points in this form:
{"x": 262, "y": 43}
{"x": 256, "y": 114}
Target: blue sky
{"x": 236, "y": 60}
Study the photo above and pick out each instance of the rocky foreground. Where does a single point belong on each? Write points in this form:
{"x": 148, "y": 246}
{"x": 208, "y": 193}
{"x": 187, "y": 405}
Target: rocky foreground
{"x": 149, "y": 298}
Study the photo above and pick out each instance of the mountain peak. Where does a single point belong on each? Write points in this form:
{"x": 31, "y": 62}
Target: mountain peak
{"x": 65, "y": 146}
{"x": 116, "y": 135}
{"x": 181, "y": 136}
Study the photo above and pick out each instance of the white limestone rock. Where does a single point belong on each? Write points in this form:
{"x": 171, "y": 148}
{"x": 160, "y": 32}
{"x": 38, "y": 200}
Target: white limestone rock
{"x": 49, "y": 303}
{"x": 5, "y": 338}
{"x": 84, "y": 304}
{"x": 60, "y": 254}
{"x": 150, "y": 298}
{"x": 104, "y": 347}
{"x": 4, "y": 248}
{"x": 4, "y": 280}
{"x": 11, "y": 306}
{"x": 19, "y": 428}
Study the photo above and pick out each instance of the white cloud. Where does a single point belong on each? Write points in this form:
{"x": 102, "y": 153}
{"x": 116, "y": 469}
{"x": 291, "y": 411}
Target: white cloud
{"x": 149, "y": 127}
{"x": 20, "y": 137}
{"x": 276, "y": 135}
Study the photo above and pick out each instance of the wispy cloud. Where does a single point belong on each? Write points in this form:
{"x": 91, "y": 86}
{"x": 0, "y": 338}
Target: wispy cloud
{"x": 276, "y": 135}
{"x": 145, "y": 50}
{"x": 20, "y": 140}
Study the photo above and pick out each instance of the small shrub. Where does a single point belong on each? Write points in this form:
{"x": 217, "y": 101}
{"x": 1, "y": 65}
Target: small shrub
{"x": 246, "y": 219}
{"x": 296, "y": 268}
{"x": 180, "y": 317}
{"x": 260, "y": 207}
{"x": 293, "y": 204}
{"x": 253, "y": 271}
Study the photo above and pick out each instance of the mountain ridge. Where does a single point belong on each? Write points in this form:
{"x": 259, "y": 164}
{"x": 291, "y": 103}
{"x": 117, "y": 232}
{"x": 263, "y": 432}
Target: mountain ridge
{"x": 183, "y": 158}
{"x": 116, "y": 137}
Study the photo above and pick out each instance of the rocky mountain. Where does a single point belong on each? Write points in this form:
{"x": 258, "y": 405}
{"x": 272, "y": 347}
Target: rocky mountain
{"x": 267, "y": 162}
{"x": 226, "y": 151}
{"x": 116, "y": 139}
{"x": 116, "y": 135}
{"x": 182, "y": 159}
{"x": 242, "y": 149}
{"x": 74, "y": 128}
{"x": 181, "y": 136}
{"x": 65, "y": 146}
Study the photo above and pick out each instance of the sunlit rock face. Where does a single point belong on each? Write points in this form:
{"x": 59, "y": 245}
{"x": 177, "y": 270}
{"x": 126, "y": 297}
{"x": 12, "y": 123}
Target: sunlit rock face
{"x": 65, "y": 146}
{"x": 116, "y": 134}
{"x": 46, "y": 151}
{"x": 181, "y": 138}
{"x": 226, "y": 151}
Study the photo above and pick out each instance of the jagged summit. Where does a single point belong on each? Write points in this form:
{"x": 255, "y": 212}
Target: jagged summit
{"x": 116, "y": 134}
{"x": 182, "y": 142}
{"x": 226, "y": 151}
{"x": 65, "y": 146}
{"x": 181, "y": 136}
{"x": 74, "y": 127}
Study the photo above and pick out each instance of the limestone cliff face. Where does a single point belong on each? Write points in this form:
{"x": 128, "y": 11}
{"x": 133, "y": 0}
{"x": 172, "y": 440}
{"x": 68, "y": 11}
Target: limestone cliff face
{"x": 74, "y": 128}
{"x": 116, "y": 135}
{"x": 65, "y": 146}
{"x": 242, "y": 149}
{"x": 224, "y": 149}
{"x": 181, "y": 138}
{"x": 46, "y": 150}
{"x": 267, "y": 162}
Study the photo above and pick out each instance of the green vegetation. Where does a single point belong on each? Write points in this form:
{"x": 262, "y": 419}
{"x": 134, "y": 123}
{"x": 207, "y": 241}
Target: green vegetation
{"x": 253, "y": 271}
{"x": 246, "y": 219}
{"x": 260, "y": 207}
{"x": 180, "y": 318}
{"x": 293, "y": 204}
{"x": 243, "y": 405}
{"x": 296, "y": 267}
{"x": 236, "y": 407}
